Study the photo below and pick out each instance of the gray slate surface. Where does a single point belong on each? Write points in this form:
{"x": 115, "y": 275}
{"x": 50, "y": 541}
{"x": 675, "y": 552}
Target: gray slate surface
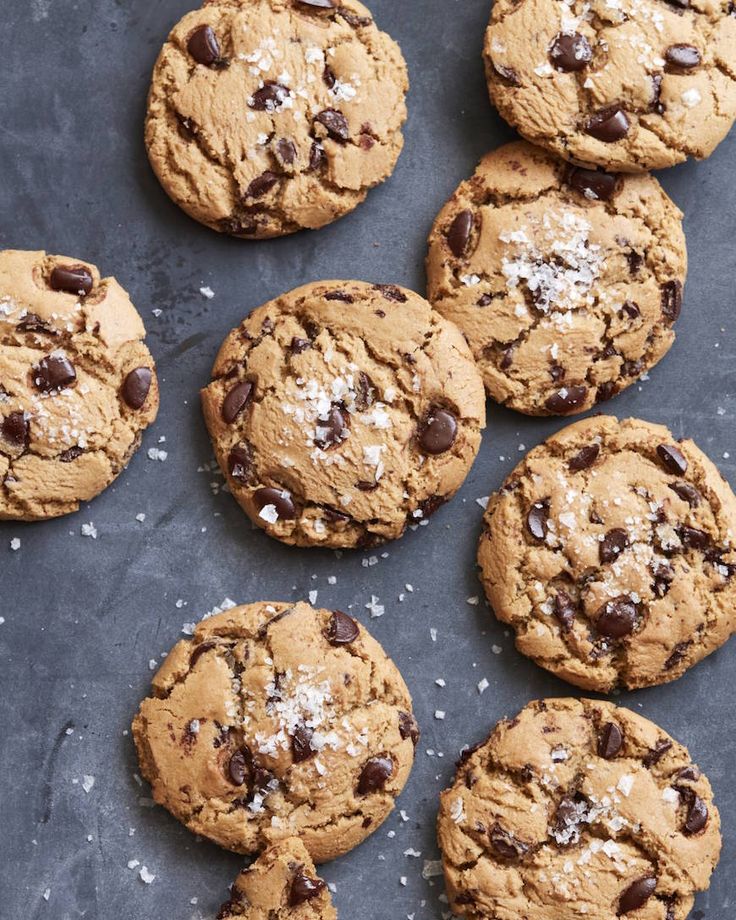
{"x": 83, "y": 617}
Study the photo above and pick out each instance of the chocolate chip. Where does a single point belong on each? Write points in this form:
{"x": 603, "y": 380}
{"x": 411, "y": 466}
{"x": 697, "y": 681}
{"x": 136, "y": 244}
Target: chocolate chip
{"x": 656, "y": 105}
{"x": 408, "y": 728}
{"x": 322, "y": 4}
{"x": 612, "y": 545}
{"x": 301, "y": 744}
{"x": 584, "y": 458}
{"x": 637, "y": 894}
{"x": 672, "y": 459}
{"x": 333, "y": 430}
{"x": 203, "y": 46}
{"x": 375, "y": 774}
{"x": 239, "y": 767}
{"x": 70, "y": 455}
{"x": 262, "y": 184}
{"x": 286, "y": 151}
{"x": 507, "y": 74}
{"x": 342, "y": 629}
{"x": 236, "y": 400}
{"x": 690, "y": 773}
{"x": 31, "y": 322}
{"x": 239, "y": 226}
{"x": 304, "y": 888}
{"x": 458, "y": 236}
{"x": 508, "y": 358}
{"x": 269, "y": 97}
{"x": 391, "y": 292}
{"x": 609, "y": 125}
{"x": 617, "y": 617}
{"x": 438, "y": 432}
{"x": 610, "y": 741}
{"x": 328, "y": 76}
{"x": 299, "y": 345}
{"x": 317, "y": 157}
{"x": 631, "y": 309}
{"x": 240, "y": 463}
{"x": 671, "y": 300}
{"x": 342, "y": 296}
{"x": 505, "y": 844}
{"x": 593, "y": 183}
{"x": 566, "y": 399}
{"x": 564, "y": 609}
{"x": 15, "y": 429}
{"x": 605, "y": 391}
{"x": 694, "y": 538}
{"x": 335, "y": 123}
{"x": 687, "y": 493}
{"x": 655, "y": 754}
{"x": 72, "y": 280}
{"x": 677, "y": 655}
{"x": 137, "y": 386}
{"x": 54, "y": 372}
{"x": 536, "y": 519}
{"x": 280, "y": 499}
{"x": 664, "y": 575}
{"x": 682, "y": 57}
{"x": 697, "y": 812}
{"x": 570, "y": 52}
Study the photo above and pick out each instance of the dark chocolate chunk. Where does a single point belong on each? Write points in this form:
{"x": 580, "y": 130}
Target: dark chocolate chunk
{"x": 137, "y": 386}
{"x": 438, "y": 432}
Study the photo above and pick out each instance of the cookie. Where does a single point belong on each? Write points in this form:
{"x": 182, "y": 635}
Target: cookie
{"x": 77, "y": 385}
{"x": 278, "y": 720}
{"x": 281, "y": 885}
{"x": 632, "y": 85}
{"x": 610, "y": 551}
{"x": 566, "y": 282}
{"x": 576, "y": 808}
{"x": 269, "y": 116}
{"x": 343, "y": 411}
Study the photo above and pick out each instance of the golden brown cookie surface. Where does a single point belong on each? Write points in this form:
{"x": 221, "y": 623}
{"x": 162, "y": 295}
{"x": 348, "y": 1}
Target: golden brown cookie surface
{"x": 629, "y": 85}
{"x": 282, "y": 884}
{"x": 565, "y": 282}
{"x": 610, "y": 551}
{"x": 275, "y": 721}
{"x": 577, "y": 808}
{"x": 77, "y": 385}
{"x": 343, "y": 411}
{"x": 269, "y": 116}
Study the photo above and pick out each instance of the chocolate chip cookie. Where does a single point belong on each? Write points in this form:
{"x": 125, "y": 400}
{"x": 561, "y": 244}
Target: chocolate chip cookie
{"x": 77, "y": 385}
{"x": 576, "y": 808}
{"x": 565, "y": 281}
{"x": 274, "y": 721}
{"x": 269, "y": 116}
{"x": 280, "y": 881}
{"x": 629, "y": 85}
{"x": 610, "y": 551}
{"x": 343, "y": 411}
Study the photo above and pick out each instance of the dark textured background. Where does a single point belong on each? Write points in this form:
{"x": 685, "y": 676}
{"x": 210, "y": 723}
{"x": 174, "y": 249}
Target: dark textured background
{"x": 83, "y": 617}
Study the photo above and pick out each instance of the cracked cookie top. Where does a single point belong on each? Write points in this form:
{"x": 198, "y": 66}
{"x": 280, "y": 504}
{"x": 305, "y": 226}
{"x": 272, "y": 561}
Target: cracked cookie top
{"x": 278, "y": 720}
{"x": 77, "y": 384}
{"x": 576, "y": 808}
{"x": 282, "y": 884}
{"x": 343, "y": 411}
{"x": 566, "y": 282}
{"x": 629, "y": 85}
{"x": 610, "y": 551}
{"x": 269, "y": 116}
